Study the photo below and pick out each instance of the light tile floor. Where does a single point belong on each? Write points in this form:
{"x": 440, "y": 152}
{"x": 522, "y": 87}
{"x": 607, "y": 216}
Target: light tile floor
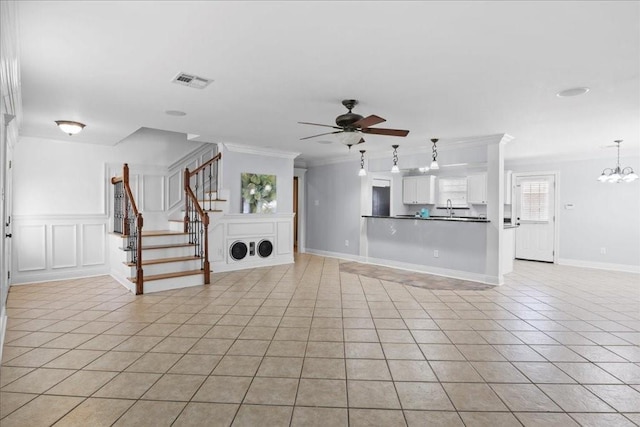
{"x": 311, "y": 345}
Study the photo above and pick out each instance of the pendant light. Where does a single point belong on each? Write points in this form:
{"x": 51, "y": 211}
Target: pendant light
{"x": 617, "y": 174}
{"x": 394, "y": 168}
{"x": 434, "y": 163}
{"x": 70, "y": 127}
{"x": 362, "y": 172}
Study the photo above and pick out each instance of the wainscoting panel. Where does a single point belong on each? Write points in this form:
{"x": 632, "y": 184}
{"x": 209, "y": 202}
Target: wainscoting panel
{"x": 208, "y": 155}
{"x": 250, "y": 230}
{"x": 250, "y": 227}
{"x": 175, "y": 189}
{"x": 93, "y": 244}
{"x": 284, "y": 238}
{"x": 64, "y": 244}
{"x": 152, "y": 193}
{"x": 59, "y": 247}
{"x": 32, "y": 251}
{"x": 134, "y": 181}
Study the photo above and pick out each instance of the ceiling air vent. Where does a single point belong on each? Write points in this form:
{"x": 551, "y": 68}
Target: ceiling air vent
{"x": 191, "y": 80}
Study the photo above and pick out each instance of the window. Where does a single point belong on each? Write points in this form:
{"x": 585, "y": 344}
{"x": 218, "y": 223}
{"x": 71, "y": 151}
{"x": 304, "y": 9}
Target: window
{"x": 454, "y": 188}
{"x": 534, "y": 202}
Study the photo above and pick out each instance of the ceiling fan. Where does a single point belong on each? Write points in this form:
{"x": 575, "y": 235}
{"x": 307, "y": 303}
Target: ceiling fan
{"x": 352, "y": 125}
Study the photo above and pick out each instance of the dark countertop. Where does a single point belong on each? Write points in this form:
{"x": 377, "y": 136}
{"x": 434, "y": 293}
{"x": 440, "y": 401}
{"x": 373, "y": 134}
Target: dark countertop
{"x": 431, "y": 218}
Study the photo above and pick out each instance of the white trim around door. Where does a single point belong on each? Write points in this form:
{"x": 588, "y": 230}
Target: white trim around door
{"x": 554, "y": 178}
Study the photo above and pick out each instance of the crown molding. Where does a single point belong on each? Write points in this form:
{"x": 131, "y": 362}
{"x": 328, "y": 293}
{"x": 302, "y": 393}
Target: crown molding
{"x": 569, "y": 157}
{"x": 260, "y": 151}
{"x": 448, "y": 145}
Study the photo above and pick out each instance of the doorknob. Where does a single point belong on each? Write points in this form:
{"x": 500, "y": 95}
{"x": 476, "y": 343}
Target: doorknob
{"x": 8, "y": 235}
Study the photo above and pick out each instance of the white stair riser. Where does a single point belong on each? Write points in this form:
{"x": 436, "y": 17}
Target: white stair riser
{"x": 161, "y": 240}
{"x": 173, "y": 283}
{"x": 165, "y": 240}
{"x": 176, "y": 226}
{"x": 168, "y": 252}
{"x": 166, "y": 267}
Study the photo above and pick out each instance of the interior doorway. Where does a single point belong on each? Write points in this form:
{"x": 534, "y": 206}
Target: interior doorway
{"x": 381, "y": 197}
{"x": 295, "y": 214}
{"x": 536, "y": 217}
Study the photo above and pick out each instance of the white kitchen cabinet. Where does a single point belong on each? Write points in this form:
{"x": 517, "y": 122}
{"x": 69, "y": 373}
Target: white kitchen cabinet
{"x": 477, "y": 188}
{"x": 418, "y": 190}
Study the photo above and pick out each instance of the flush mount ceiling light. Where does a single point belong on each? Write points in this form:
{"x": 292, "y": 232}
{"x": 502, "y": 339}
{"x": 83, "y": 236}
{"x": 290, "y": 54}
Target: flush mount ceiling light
{"x": 70, "y": 127}
{"x": 362, "y": 171}
{"x": 394, "y": 168}
{"x": 617, "y": 174}
{"x": 434, "y": 163}
{"x": 575, "y": 91}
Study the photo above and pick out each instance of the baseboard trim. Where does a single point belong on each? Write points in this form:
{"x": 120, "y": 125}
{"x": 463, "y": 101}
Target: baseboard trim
{"x": 130, "y": 286}
{"x": 454, "y": 274}
{"x": 222, "y": 267}
{"x": 599, "y": 265}
{"x": 3, "y": 327}
{"x": 338, "y": 255}
{"x": 28, "y": 279}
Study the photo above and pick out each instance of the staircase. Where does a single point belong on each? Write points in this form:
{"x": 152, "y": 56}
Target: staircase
{"x": 159, "y": 260}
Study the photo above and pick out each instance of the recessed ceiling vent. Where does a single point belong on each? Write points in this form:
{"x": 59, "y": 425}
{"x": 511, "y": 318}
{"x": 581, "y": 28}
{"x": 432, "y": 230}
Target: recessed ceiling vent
{"x": 191, "y": 80}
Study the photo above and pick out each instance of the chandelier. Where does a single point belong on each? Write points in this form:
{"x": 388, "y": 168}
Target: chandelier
{"x": 617, "y": 174}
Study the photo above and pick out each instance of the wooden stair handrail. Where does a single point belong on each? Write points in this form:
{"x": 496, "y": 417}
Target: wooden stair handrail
{"x": 139, "y": 224}
{"x": 204, "y": 217}
{"x": 125, "y": 179}
{"x": 204, "y": 165}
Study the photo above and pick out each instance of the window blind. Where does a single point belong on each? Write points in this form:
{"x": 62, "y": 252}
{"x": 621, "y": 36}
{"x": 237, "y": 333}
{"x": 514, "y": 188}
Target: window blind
{"x": 534, "y": 203}
{"x": 454, "y": 189}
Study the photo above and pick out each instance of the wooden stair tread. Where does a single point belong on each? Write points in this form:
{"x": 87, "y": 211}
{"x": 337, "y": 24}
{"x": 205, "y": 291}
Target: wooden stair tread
{"x": 167, "y": 275}
{"x": 164, "y": 260}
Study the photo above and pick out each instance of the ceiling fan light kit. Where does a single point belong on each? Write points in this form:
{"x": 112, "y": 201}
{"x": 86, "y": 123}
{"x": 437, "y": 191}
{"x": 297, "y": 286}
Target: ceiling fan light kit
{"x": 352, "y": 125}
{"x": 618, "y": 174}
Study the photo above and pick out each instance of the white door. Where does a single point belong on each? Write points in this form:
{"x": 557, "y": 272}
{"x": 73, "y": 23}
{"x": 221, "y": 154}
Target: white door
{"x": 535, "y": 213}
{"x": 6, "y": 154}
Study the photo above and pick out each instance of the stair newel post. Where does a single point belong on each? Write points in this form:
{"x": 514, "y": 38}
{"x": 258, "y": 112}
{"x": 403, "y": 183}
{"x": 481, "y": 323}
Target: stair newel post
{"x": 125, "y": 181}
{"x": 207, "y": 269}
{"x": 139, "y": 273}
{"x": 187, "y": 177}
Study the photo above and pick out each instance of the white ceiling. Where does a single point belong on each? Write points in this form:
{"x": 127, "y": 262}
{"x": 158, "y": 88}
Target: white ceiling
{"x": 439, "y": 69}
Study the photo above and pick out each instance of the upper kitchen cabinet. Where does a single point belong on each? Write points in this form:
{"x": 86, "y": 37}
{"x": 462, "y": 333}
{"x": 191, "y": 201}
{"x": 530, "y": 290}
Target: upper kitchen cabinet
{"x": 477, "y": 189}
{"x": 419, "y": 190}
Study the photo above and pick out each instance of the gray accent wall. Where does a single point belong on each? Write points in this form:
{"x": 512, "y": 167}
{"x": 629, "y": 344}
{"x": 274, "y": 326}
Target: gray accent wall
{"x": 603, "y": 215}
{"x": 333, "y": 208}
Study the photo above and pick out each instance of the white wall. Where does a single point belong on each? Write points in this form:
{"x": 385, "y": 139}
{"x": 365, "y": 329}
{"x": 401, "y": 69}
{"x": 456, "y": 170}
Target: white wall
{"x": 604, "y": 215}
{"x": 238, "y": 159}
{"x": 61, "y": 199}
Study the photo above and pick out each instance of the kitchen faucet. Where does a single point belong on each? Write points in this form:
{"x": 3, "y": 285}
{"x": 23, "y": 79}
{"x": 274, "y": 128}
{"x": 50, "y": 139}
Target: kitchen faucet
{"x": 449, "y": 208}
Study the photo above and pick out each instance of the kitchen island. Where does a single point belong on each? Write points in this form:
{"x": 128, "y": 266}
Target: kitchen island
{"x": 448, "y": 246}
